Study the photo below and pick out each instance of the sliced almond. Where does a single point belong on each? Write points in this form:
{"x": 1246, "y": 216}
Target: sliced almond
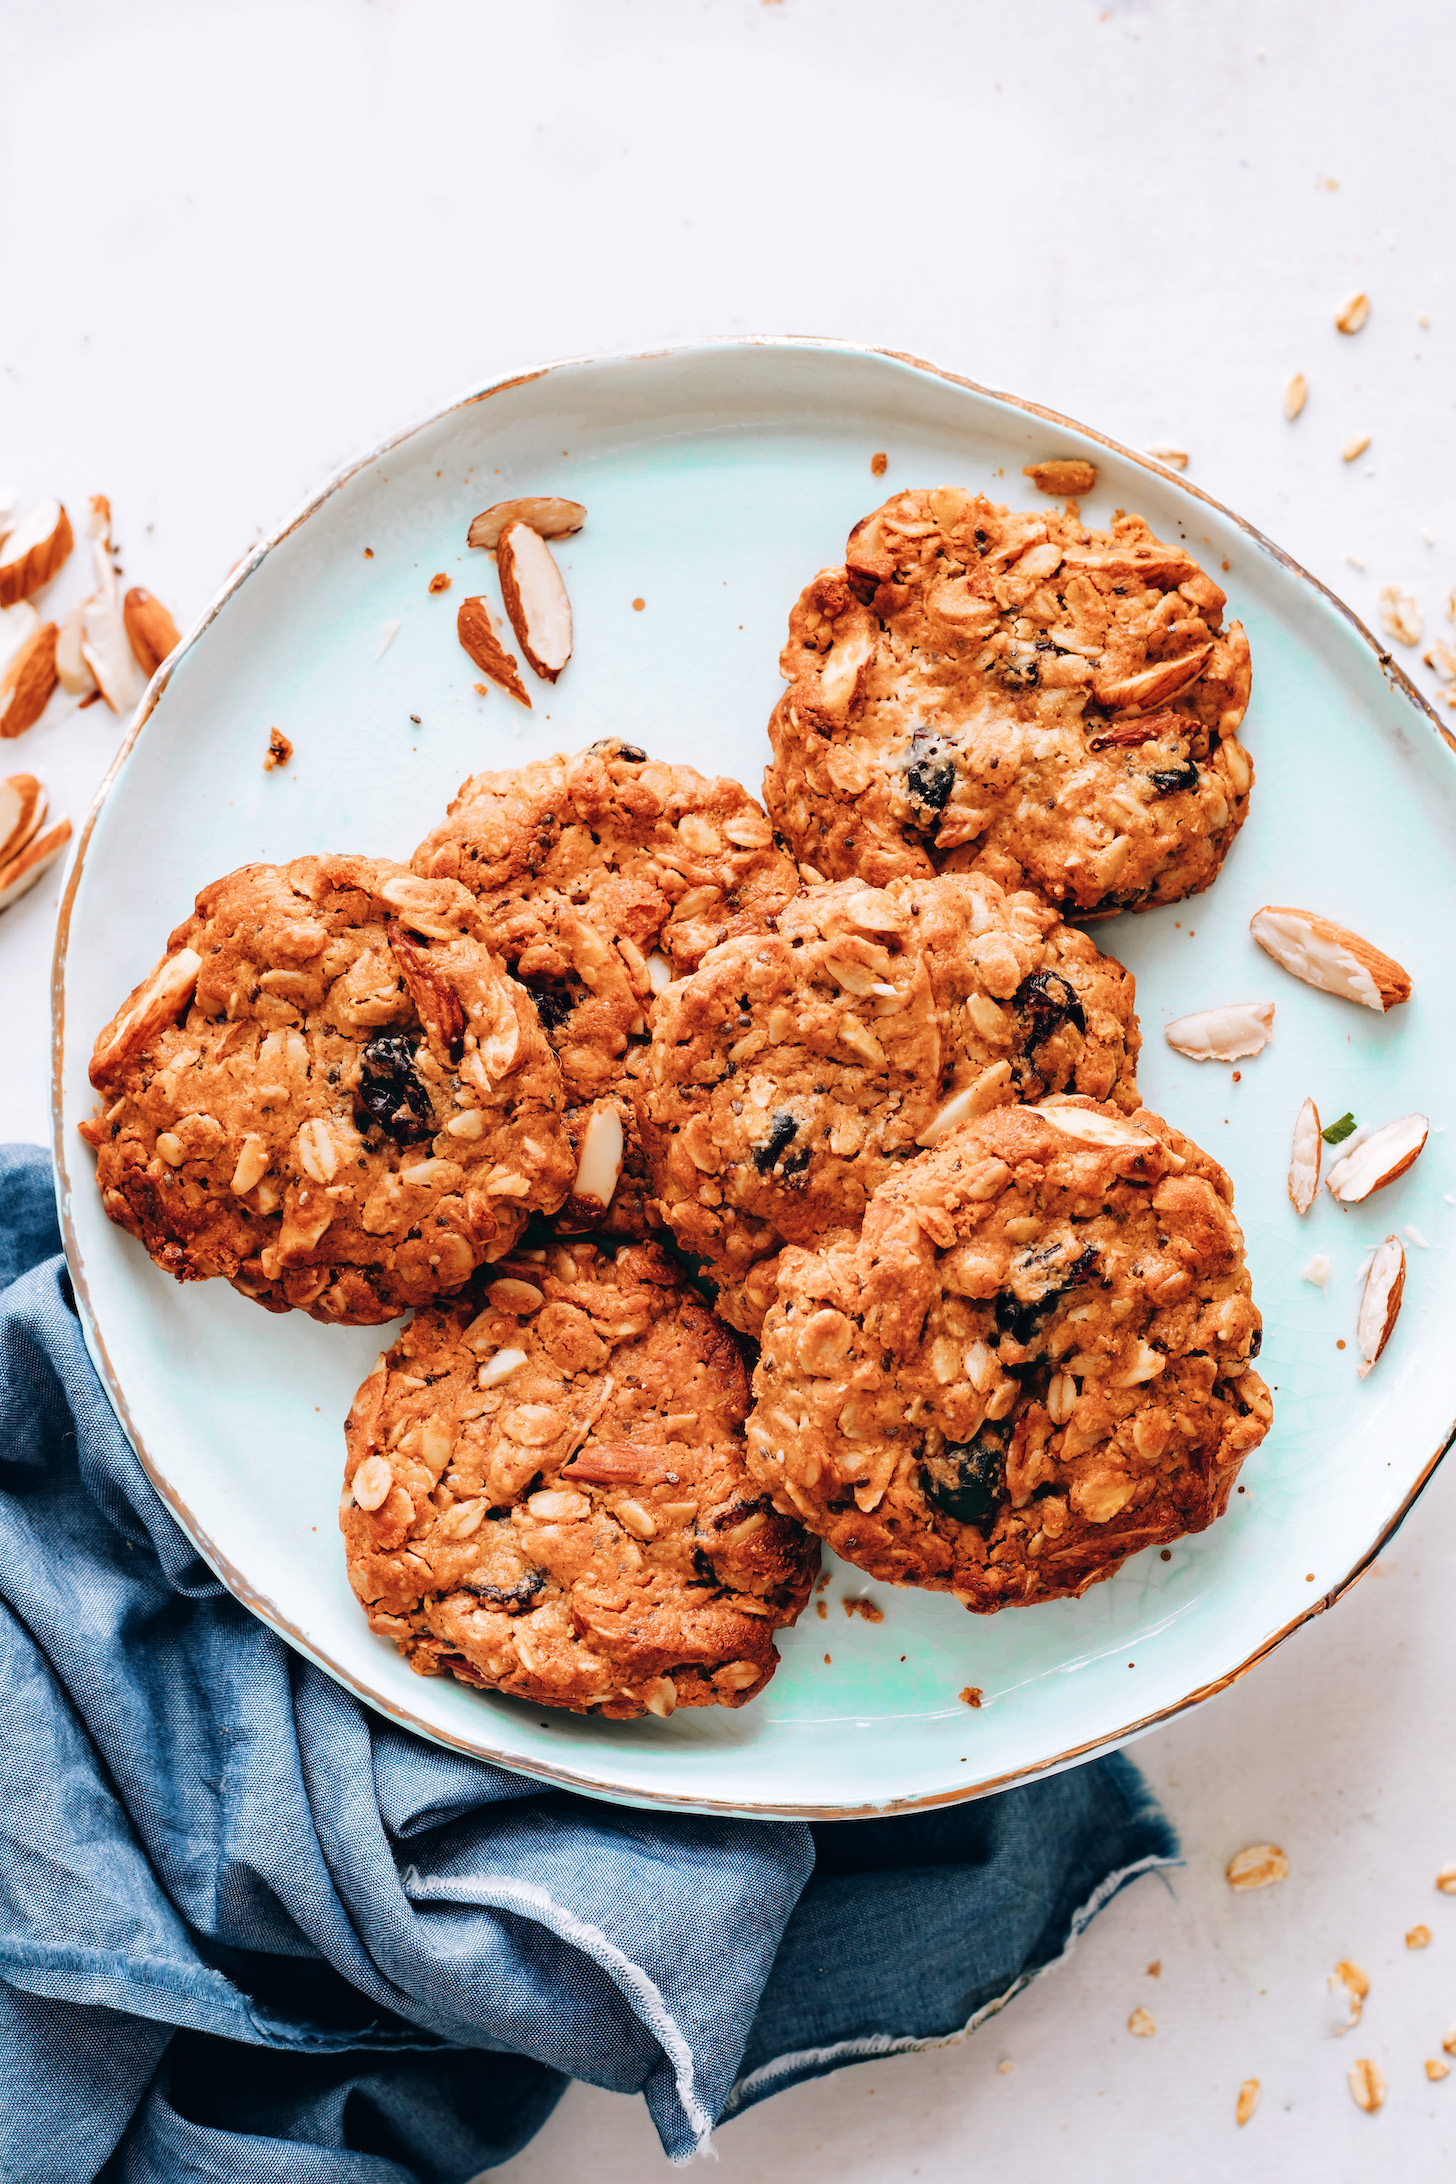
{"x": 535, "y": 598}
{"x": 33, "y": 551}
{"x": 1377, "y": 1160}
{"x": 157, "y": 1002}
{"x": 1260, "y": 1866}
{"x": 475, "y": 627}
{"x": 1380, "y": 1302}
{"x": 17, "y": 626}
{"x": 1152, "y": 685}
{"x": 22, "y": 809}
{"x": 600, "y": 1164}
{"x": 1400, "y": 614}
{"x": 1304, "y": 1158}
{"x": 1090, "y": 1128}
{"x": 75, "y": 676}
{"x": 27, "y": 680}
{"x": 1064, "y": 476}
{"x": 1226, "y": 1034}
{"x": 547, "y": 516}
{"x": 151, "y": 632}
{"x": 1330, "y": 956}
{"x": 976, "y": 1099}
{"x": 105, "y": 647}
{"x": 24, "y": 869}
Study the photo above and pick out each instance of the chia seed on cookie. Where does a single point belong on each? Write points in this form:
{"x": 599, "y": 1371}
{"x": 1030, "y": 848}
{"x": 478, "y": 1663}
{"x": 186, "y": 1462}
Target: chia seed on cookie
{"x": 546, "y": 1495}
{"x": 978, "y": 686}
{"x": 795, "y": 1070}
{"x": 329, "y": 1092}
{"x": 1034, "y": 1361}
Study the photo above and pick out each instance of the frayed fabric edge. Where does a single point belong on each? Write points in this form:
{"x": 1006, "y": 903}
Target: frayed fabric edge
{"x": 786, "y": 2068}
{"x": 641, "y": 1990}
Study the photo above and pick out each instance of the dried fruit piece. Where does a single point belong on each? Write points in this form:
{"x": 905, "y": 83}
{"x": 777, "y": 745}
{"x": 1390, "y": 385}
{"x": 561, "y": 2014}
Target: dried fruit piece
{"x": 26, "y": 867}
{"x": 1295, "y": 396}
{"x": 1141, "y": 2025}
{"x": 475, "y": 628}
{"x": 535, "y": 598}
{"x": 105, "y": 646}
{"x": 1352, "y": 315}
{"x": 33, "y": 551}
{"x": 1247, "y": 2101}
{"x": 1378, "y": 1159}
{"x": 1304, "y": 1158}
{"x": 1380, "y": 1306}
{"x": 27, "y": 680}
{"x": 1400, "y": 614}
{"x": 150, "y": 630}
{"x": 75, "y": 676}
{"x": 1367, "y": 2084}
{"x": 1228, "y": 1034}
{"x": 1329, "y": 956}
{"x": 1260, "y": 1866}
{"x": 22, "y": 808}
{"x": 1065, "y": 476}
{"x": 547, "y": 516}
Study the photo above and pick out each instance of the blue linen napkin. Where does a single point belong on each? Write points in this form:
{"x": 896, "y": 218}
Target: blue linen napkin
{"x": 250, "y": 1930}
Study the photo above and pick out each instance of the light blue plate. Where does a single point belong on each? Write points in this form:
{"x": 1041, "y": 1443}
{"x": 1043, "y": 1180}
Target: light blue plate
{"x": 718, "y": 479}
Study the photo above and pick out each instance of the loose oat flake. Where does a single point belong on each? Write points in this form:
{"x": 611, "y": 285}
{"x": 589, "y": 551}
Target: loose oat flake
{"x": 1400, "y": 614}
{"x": 1260, "y": 1866}
{"x": 1419, "y": 1937}
{"x": 1436, "y": 2069}
{"x": 1248, "y": 2100}
{"x": 1367, "y": 2084}
{"x": 1295, "y": 396}
{"x": 1352, "y": 315}
{"x": 1446, "y": 1880}
{"x": 1355, "y": 446}
{"x": 1141, "y": 2025}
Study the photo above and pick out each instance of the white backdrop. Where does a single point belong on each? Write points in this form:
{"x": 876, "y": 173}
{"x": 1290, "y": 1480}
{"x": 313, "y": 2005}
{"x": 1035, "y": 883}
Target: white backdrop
{"x": 240, "y": 242}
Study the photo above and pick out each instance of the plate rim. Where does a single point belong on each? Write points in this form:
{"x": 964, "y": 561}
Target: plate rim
{"x": 571, "y": 1777}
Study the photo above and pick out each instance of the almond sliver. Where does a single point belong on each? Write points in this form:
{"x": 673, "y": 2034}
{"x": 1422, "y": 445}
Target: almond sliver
{"x": 1304, "y": 1158}
{"x": 535, "y": 598}
{"x": 548, "y": 516}
{"x": 33, "y": 551}
{"x": 22, "y": 809}
{"x": 1090, "y": 1128}
{"x": 38, "y": 855}
{"x": 1225, "y": 1034}
{"x": 600, "y": 1165}
{"x": 1380, "y": 1302}
{"x": 1330, "y": 956}
{"x": 1377, "y": 1160}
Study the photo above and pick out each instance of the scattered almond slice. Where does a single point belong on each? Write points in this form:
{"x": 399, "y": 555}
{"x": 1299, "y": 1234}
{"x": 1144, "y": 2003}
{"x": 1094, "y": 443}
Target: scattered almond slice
{"x": 547, "y": 516}
{"x": 1090, "y": 1128}
{"x": 1377, "y": 1160}
{"x": 1295, "y": 396}
{"x": 37, "y": 857}
{"x": 105, "y": 647}
{"x": 27, "y": 680}
{"x": 1304, "y": 1158}
{"x": 1400, "y": 614}
{"x": 475, "y": 628}
{"x": 33, "y": 551}
{"x": 157, "y": 1002}
{"x": 1066, "y": 477}
{"x": 1329, "y": 956}
{"x": 535, "y": 598}
{"x": 1226, "y": 1034}
{"x": 22, "y": 809}
{"x": 75, "y": 676}
{"x": 1380, "y": 1304}
{"x": 18, "y": 625}
{"x": 1260, "y": 1866}
{"x": 151, "y": 632}
{"x": 976, "y": 1098}
{"x": 1352, "y": 315}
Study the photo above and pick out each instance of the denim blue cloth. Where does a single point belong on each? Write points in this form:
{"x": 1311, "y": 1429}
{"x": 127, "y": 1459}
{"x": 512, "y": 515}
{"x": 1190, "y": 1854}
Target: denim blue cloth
{"x": 251, "y": 1931}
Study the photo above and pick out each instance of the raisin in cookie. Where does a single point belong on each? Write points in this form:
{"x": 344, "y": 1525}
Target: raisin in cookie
{"x": 975, "y": 684}
{"x": 1033, "y": 1361}
{"x": 546, "y": 1494}
{"x": 330, "y": 1092}
{"x": 795, "y": 1070}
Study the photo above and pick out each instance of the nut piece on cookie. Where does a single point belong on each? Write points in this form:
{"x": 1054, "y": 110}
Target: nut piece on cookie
{"x": 545, "y": 1492}
{"x": 329, "y": 1092}
{"x": 1033, "y": 1362}
{"x": 982, "y": 685}
{"x": 797, "y": 1069}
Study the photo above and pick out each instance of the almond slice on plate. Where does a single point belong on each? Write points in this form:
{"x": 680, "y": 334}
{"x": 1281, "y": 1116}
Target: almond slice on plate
{"x": 1226, "y": 1034}
{"x": 33, "y": 551}
{"x": 1377, "y": 1160}
{"x": 1304, "y": 1158}
{"x": 1380, "y": 1302}
{"x": 155, "y": 1003}
{"x": 105, "y": 646}
{"x": 37, "y": 857}
{"x": 150, "y": 630}
{"x": 1330, "y": 956}
{"x": 547, "y": 516}
{"x": 22, "y": 808}
{"x": 535, "y": 598}
{"x": 75, "y": 676}
{"x": 475, "y": 628}
{"x": 27, "y": 680}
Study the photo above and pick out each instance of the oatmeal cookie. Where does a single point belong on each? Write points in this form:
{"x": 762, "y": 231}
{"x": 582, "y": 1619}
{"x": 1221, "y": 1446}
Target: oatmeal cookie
{"x": 1034, "y": 1360}
{"x": 795, "y": 1070}
{"x": 546, "y": 1495}
{"x": 329, "y": 1092}
{"x": 978, "y": 685}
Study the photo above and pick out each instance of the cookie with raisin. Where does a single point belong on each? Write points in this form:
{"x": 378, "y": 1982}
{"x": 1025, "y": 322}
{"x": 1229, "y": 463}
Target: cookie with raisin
{"x": 978, "y": 685}
{"x": 546, "y": 1495}
{"x": 797, "y": 1069}
{"x": 1034, "y": 1361}
{"x": 329, "y": 1092}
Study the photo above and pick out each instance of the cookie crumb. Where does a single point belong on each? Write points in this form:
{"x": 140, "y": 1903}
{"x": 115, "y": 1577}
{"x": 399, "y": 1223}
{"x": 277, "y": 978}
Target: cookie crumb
{"x": 1066, "y": 477}
{"x": 369, "y": 553}
{"x": 280, "y": 750}
{"x": 879, "y": 464}
{"x": 440, "y": 582}
{"x": 821, "y": 1610}
{"x": 1155, "y": 1969}
{"x": 638, "y": 605}
{"x": 1005, "y": 2066}
{"x": 971, "y": 1696}
{"x": 864, "y": 1606}
{"x": 482, "y": 690}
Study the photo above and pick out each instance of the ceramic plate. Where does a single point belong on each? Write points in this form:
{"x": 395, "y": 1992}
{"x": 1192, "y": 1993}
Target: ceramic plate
{"x": 718, "y": 479}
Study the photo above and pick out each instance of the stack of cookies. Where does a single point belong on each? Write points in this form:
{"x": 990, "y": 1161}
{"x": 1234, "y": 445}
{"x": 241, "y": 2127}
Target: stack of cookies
{"x": 755, "y": 1178}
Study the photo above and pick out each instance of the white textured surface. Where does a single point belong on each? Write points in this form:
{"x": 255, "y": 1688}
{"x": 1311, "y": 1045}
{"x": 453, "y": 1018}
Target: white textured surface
{"x": 239, "y": 242}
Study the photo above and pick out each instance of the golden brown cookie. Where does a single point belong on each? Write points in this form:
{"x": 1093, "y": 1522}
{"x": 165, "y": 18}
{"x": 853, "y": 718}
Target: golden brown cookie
{"x": 1034, "y": 1360}
{"x": 795, "y": 1070}
{"x": 330, "y": 1092}
{"x": 976, "y": 684}
{"x": 546, "y": 1493}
